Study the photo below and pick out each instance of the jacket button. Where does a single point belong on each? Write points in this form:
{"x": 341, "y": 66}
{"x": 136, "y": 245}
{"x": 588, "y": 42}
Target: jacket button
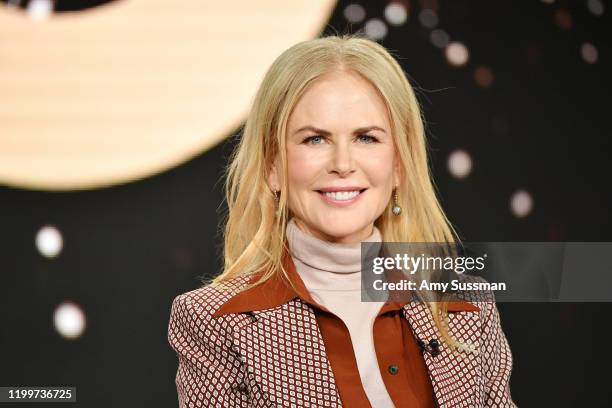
{"x": 242, "y": 388}
{"x": 393, "y": 369}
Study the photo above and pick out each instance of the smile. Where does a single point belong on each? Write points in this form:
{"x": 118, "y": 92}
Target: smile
{"x": 341, "y": 198}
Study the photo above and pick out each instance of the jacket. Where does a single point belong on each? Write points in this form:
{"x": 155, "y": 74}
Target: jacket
{"x": 246, "y": 351}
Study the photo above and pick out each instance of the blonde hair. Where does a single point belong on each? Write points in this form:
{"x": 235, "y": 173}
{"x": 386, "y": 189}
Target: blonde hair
{"x": 254, "y": 235}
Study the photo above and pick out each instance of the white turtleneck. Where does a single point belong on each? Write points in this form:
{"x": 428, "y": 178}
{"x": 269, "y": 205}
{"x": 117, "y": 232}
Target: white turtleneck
{"x": 332, "y": 274}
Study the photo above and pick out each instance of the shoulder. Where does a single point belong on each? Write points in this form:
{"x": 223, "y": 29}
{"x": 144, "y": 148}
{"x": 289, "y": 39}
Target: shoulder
{"x": 203, "y": 302}
{"x": 191, "y": 314}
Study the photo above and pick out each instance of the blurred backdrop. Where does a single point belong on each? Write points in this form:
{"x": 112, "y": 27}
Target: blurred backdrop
{"x": 117, "y": 119}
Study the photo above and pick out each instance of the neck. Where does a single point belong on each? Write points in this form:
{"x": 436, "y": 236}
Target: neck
{"x": 359, "y": 236}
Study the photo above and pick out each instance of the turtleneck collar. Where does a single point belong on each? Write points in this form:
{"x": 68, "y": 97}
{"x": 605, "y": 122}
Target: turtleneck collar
{"x": 324, "y": 255}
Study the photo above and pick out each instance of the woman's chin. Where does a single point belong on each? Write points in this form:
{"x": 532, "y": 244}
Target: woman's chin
{"x": 347, "y": 231}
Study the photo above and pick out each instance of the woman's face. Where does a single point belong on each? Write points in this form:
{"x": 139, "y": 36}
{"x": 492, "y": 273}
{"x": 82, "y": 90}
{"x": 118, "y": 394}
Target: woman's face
{"x": 339, "y": 138}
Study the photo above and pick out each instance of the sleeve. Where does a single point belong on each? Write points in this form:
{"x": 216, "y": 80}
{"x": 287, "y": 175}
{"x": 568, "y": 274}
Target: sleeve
{"x": 497, "y": 360}
{"x": 210, "y": 373}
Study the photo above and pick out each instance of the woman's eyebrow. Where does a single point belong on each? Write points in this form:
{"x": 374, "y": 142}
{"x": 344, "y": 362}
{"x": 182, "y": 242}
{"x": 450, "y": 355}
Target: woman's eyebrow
{"x": 327, "y": 133}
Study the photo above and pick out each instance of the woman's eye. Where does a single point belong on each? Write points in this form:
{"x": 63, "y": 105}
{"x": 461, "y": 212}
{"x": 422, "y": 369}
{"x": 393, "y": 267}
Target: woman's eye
{"x": 368, "y": 138}
{"x": 315, "y": 138}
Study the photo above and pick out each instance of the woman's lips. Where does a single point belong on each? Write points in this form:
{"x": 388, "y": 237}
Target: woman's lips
{"x": 341, "y": 203}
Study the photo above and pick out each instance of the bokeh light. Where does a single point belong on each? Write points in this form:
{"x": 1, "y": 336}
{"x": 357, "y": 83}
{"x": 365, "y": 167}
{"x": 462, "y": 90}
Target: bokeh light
{"x": 49, "y": 241}
{"x": 69, "y": 320}
{"x": 563, "y": 19}
{"x": 396, "y": 13}
{"x": 589, "y": 53}
{"x": 375, "y": 28}
{"x": 439, "y": 38}
{"x": 483, "y": 76}
{"x": 428, "y": 18}
{"x": 521, "y": 203}
{"x": 459, "y": 164}
{"x": 354, "y": 13}
{"x": 457, "y": 54}
{"x": 89, "y": 97}
{"x": 596, "y": 7}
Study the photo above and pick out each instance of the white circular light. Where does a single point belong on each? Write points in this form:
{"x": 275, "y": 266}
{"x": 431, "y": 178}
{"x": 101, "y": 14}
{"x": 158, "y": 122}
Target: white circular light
{"x": 589, "y": 53}
{"x": 596, "y": 7}
{"x": 40, "y": 9}
{"x": 428, "y": 18}
{"x": 396, "y": 14}
{"x": 521, "y": 203}
{"x": 354, "y": 13}
{"x": 439, "y": 38}
{"x": 69, "y": 320}
{"x": 457, "y": 54}
{"x": 49, "y": 241}
{"x": 459, "y": 164}
{"x": 376, "y": 29}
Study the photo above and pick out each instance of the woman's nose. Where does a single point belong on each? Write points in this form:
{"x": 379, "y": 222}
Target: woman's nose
{"x": 342, "y": 160}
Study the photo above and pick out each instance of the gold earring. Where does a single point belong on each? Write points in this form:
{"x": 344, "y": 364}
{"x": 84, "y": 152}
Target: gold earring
{"x": 276, "y": 195}
{"x": 397, "y": 210}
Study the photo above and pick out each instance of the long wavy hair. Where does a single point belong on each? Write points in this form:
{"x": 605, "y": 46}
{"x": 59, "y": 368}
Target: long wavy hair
{"x": 254, "y": 226}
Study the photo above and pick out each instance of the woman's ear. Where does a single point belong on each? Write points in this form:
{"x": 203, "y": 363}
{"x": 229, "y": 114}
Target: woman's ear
{"x": 273, "y": 181}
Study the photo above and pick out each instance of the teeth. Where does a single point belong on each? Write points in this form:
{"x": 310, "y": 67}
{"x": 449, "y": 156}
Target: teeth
{"x": 342, "y": 195}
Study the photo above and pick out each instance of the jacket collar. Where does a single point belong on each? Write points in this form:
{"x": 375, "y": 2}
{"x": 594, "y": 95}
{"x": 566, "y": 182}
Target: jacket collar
{"x": 276, "y": 292}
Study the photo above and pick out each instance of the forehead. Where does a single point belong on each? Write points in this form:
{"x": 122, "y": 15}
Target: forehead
{"x": 337, "y": 98}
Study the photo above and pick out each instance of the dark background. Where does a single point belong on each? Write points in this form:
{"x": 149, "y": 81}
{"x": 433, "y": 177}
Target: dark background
{"x": 130, "y": 249}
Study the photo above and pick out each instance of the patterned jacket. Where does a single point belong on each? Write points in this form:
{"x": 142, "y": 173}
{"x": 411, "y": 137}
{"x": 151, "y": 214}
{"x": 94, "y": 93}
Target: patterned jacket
{"x": 234, "y": 351}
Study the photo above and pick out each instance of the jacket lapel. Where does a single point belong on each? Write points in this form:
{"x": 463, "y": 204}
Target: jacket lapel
{"x": 284, "y": 351}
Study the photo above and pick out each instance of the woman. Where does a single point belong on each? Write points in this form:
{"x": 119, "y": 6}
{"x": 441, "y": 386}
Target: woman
{"x": 333, "y": 153}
